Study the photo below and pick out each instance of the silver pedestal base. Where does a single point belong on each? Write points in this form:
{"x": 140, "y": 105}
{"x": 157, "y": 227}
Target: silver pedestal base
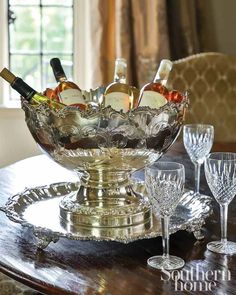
{"x": 92, "y": 207}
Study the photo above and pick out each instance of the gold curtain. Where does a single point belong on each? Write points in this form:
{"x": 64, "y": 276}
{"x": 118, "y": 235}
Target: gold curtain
{"x": 184, "y": 26}
{"x": 142, "y": 37}
{"x": 138, "y": 31}
{"x": 101, "y": 38}
{"x": 132, "y": 29}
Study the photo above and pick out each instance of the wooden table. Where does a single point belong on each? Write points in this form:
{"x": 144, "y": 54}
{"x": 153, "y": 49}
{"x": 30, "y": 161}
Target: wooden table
{"x": 87, "y": 267}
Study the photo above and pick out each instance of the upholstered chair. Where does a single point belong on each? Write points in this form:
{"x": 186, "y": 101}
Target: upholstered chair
{"x": 211, "y": 81}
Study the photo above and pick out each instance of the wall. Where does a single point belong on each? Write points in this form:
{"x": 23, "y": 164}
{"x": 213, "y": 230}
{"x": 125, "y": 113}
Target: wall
{"x": 224, "y": 23}
{"x": 217, "y": 25}
{"x": 16, "y": 142}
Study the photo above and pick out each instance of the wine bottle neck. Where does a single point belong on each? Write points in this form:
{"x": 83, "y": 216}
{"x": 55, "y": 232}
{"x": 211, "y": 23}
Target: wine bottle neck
{"x": 120, "y": 79}
{"x": 58, "y": 70}
{"x": 61, "y": 79}
{"x": 158, "y": 79}
{"x": 120, "y": 71}
{"x": 163, "y": 72}
{"x": 24, "y": 89}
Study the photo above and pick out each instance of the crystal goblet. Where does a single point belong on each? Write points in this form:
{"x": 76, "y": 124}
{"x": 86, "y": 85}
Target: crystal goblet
{"x": 220, "y": 171}
{"x": 198, "y": 141}
{"x": 165, "y": 182}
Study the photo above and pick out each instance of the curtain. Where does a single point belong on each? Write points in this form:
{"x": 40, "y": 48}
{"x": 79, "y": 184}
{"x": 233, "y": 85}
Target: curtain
{"x": 143, "y": 32}
{"x": 142, "y": 37}
{"x": 132, "y": 29}
{"x": 184, "y": 27}
{"x": 100, "y": 29}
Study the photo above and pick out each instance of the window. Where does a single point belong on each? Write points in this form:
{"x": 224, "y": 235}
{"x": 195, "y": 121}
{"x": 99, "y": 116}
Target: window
{"x": 34, "y": 31}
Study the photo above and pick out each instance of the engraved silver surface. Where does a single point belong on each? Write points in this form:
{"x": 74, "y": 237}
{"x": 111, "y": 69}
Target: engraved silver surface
{"x": 103, "y": 146}
{"x": 38, "y": 208}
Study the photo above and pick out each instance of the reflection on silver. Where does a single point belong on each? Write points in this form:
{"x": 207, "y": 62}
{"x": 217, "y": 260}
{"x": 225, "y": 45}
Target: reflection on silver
{"x": 104, "y": 146}
{"x": 38, "y": 208}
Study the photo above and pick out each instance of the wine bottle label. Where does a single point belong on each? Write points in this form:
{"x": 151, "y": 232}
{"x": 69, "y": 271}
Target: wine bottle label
{"x": 118, "y": 101}
{"x": 71, "y": 96}
{"x": 152, "y": 99}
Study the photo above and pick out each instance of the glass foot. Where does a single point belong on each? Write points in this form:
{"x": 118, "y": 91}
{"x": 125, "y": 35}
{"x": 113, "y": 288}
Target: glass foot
{"x": 170, "y": 263}
{"x": 222, "y": 247}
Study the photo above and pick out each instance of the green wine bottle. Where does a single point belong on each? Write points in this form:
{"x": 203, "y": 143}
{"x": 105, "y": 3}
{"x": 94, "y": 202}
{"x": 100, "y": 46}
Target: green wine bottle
{"x": 31, "y": 95}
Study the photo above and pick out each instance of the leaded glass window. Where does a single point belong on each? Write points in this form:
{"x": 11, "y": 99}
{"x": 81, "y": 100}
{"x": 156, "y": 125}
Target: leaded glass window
{"x": 38, "y": 31}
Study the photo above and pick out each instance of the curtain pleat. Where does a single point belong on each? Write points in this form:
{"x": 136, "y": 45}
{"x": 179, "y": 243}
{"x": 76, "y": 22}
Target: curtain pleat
{"x": 143, "y": 32}
{"x": 101, "y": 30}
{"x": 183, "y": 24}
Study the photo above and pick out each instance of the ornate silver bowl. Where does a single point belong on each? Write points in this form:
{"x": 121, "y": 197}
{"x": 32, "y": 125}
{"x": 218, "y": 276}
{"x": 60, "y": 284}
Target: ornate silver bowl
{"x": 104, "y": 147}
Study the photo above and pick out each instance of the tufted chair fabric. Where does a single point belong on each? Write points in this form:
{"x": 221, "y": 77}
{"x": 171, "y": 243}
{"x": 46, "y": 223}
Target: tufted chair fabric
{"x": 211, "y": 80}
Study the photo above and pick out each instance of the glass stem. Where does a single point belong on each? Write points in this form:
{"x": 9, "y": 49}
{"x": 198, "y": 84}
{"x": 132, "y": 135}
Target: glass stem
{"x": 223, "y": 222}
{"x": 197, "y": 167}
{"x": 165, "y": 236}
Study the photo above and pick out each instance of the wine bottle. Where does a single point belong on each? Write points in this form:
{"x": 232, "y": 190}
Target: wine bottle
{"x": 118, "y": 94}
{"x": 154, "y": 94}
{"x": 66, "y": 91}
{"x": 27, "y": 92}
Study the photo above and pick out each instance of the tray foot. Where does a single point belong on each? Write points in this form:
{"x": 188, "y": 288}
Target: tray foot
{"x": 196, "y": 229}
{"x": 42, "y": 240}
{"x": 199, "y": 235}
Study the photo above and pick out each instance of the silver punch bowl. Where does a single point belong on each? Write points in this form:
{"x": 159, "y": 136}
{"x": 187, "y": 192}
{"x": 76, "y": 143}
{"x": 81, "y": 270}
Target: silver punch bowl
{"x": 104, "y": 147}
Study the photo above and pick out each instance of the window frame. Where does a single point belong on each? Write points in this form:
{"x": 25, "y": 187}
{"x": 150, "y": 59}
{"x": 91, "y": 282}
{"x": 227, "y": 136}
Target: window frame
{"x": 4, "y": 57}
{"x": 79, "y": 47}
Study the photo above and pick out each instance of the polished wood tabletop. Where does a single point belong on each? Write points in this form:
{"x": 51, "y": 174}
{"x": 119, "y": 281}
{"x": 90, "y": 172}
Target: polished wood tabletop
{"x": 109, "y": 268}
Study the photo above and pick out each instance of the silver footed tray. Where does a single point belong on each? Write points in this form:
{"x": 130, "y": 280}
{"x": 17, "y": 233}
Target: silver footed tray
{"x": 38, "y": 209}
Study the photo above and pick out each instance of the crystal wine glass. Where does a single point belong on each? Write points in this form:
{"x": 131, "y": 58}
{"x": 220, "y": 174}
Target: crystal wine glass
{"x": 220, "y": 171}
{"x": 165, "y": 182}
{"x": 198, "y": 141}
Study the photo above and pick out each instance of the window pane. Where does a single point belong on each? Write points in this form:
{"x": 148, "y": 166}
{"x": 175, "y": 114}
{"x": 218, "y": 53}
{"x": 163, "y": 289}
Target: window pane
{"x": 42, "y": 30}
{"x": 48, "y": 77}
{"x": 24, "y": 2}
{"x": 57, "y": 29}
{"x": 58, "y": 2}
{"x": 25, "y": 32}
{"x": 27, "y": 67}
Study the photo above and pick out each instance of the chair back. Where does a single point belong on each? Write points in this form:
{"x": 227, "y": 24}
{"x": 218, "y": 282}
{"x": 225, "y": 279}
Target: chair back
{"x": 211, "y": 81}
